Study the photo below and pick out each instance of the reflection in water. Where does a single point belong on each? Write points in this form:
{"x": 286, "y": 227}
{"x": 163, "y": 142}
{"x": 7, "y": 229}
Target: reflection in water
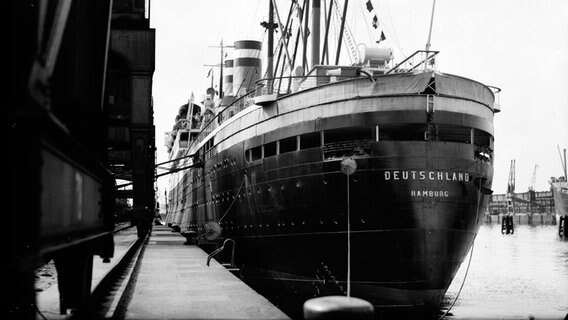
{"x": 513, "y": 276}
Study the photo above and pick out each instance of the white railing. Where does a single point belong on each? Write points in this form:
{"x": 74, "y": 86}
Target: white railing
{"x": 279, "y": 86}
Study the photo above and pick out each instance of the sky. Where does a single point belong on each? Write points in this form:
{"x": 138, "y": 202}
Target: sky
{"x": 520, "y": 46}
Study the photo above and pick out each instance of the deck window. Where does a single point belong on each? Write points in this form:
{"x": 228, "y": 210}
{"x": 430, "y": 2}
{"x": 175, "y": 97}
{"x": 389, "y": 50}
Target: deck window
{"x": 402, "y": 132}
{"x": 310, "y": 140}
{"x": 288, "y": 144}
{"x": 256, "y": 153}
{"x": 482, "y": 139}
{"x": 452, "y": 133}
{"x": 348, "y": 134}
{"x": 270, "y": 149}
{"x": 184, "y": 140}
{"x": 347, "y": 142}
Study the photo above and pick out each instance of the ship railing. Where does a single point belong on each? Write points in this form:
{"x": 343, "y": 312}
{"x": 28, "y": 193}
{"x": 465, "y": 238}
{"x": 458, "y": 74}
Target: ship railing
{"x": 226, "y": 113}
{"x": 497, "y": 101}
{"x": 419, "y": 60}
{"x": 332, "y": 150}
{"x": 319, "y": 75}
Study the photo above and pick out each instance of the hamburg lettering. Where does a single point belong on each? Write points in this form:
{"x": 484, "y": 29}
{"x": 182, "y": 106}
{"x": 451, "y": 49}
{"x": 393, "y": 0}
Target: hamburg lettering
{"x": 429, "y": 193}
{"x": 426, "y": 175}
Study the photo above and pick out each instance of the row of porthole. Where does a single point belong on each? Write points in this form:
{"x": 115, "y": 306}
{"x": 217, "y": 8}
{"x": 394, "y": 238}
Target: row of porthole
{"x": 226, "y": 163}
{"x": 231, "y": 226}
{"x": 227, "y": 197}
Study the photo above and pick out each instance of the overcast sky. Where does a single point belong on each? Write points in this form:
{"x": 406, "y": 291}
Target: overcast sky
{"x": 520, "y": 46}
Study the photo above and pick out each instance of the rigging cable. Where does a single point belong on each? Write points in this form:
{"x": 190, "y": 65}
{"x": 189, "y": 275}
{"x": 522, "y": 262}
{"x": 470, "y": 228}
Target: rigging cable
{"x": 396, "y": 41}
{"x": 234, "y": 199}
{"x": 471, "y": 252}
{"x": 364, "y": 17}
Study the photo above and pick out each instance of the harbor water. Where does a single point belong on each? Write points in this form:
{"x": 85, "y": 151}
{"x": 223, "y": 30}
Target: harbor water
{"x": 515, "y": 276}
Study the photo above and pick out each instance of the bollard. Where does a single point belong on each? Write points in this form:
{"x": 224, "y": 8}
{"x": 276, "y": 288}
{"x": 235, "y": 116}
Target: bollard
{"x": 338, "y": 307}
{"x": 190, "y": 237}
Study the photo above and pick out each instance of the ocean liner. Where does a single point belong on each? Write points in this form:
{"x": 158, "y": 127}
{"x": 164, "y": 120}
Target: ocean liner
{"x": 559, "y": 187}
{"x": 260, "y": 163}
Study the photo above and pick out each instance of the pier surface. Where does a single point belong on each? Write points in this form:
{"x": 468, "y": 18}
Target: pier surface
{"x": 173, "y": 282}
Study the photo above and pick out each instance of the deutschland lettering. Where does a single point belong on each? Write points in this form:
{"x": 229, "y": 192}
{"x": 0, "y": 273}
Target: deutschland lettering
{"x": 426, "y": 175}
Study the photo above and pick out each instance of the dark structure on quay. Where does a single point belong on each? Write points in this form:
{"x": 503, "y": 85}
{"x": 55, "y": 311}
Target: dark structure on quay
{"x": 80, "y": 116}
{"x": 527, "y": 202}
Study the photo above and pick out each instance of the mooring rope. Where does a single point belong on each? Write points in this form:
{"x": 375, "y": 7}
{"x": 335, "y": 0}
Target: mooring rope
{"x": 470, "y": 254}
{"x": 234, "y": 199}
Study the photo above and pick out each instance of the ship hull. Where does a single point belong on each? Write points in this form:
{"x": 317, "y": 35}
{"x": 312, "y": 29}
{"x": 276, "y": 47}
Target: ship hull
{"x": 274, "y": 185}
{"x": 560, "y": 195}
{"x": 412, "y": 280}
{"x": 412, "y": 223}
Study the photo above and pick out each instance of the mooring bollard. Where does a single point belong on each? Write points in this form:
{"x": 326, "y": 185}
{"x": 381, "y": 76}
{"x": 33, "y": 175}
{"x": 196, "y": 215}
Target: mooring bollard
{"x": 338, "y": 307}
{"x": 190, "y": 237}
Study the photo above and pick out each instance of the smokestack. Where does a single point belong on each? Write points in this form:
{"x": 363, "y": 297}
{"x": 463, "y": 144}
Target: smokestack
{"x": 315, "y": 32}
{"x": 246, "y": 65}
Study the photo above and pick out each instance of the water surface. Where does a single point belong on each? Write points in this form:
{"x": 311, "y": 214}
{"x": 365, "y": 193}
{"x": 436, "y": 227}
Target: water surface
{"x": 514, "y": 276}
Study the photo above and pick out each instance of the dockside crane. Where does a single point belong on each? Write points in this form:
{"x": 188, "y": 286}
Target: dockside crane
{"x": 511, "y": 189}
{"x": 513, "y": 199}
{"x": 532, "y": 194}
{"x": 533, "y": 178}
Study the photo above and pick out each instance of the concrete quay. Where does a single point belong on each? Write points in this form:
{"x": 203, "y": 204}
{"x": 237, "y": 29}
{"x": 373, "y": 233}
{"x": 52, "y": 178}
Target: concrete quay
{"x": 174, "y": 282}
{"x": 171, "y": 281}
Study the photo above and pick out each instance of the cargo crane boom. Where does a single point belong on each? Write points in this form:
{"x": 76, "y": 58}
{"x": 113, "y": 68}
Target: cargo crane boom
{"x": 533, "y": 178}
{"x": 511, "y": 189}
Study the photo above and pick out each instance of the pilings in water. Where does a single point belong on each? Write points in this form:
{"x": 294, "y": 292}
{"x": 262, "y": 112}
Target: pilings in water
{"x": 563, "y": 226}
{"x": 507, "y": 225}
{"x": 535, "y": 219}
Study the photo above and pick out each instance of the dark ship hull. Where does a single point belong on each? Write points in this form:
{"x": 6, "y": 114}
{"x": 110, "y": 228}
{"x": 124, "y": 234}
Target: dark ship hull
{"x": 416, "y": 197}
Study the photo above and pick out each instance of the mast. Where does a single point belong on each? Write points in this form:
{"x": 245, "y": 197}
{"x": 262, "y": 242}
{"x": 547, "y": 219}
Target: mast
{"x": 283, "y": 46}
{"x": 306, "y": 12}
{"x": 563, "y": 161}
{"x": 431, "y": 23}
{"x": 315, "y": 32}
{"x": 327, "y": 22}
{"x": 221, "y": 64}
{"x": 429, "y": 35}
{"x": 341, "y": 31}
{"x": 270, "y": 49}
